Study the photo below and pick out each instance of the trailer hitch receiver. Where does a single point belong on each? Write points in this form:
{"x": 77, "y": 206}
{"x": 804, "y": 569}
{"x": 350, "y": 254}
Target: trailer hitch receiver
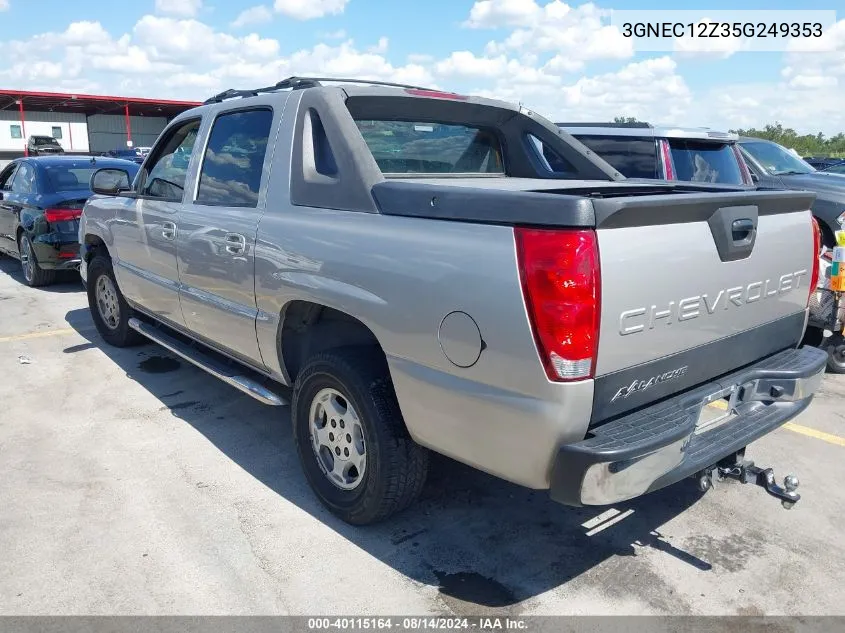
{"x": 747, "y": 473}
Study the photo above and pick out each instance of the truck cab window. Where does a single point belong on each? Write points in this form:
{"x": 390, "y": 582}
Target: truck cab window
{"x": 165, "y": 177}
{"x": 234, "y": 159}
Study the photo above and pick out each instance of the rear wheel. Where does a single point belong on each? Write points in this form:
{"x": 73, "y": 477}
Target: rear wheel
{"x": 355, "y": 450}
{"x": 109, "y": 309}
{"x": 836, "y": 354}
{"x": 33, "y": 274}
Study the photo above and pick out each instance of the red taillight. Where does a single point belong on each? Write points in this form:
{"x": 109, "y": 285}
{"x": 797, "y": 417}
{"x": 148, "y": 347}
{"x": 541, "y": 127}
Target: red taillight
{"x": 437, "y": 94}
{"x": 61, "y": 215}
{"x": 666, "y": 153}
{"x": 817, "y": 247}
{"x": 561, "y": 284}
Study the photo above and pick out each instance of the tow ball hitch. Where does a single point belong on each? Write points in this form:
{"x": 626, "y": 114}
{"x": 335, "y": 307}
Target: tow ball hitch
{"x": 747, "y": 473}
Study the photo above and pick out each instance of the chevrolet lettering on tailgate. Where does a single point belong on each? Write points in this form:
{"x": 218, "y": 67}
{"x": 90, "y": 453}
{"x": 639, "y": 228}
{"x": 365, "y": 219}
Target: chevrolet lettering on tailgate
{"x": 638, "y": 319}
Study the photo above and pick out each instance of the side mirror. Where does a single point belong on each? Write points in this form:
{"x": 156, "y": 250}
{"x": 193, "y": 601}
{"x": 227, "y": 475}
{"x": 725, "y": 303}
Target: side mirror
{"x": 755, "y": 178}
{"x": 110, "y": 181}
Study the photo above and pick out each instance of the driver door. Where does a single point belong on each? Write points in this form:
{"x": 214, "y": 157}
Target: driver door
{"x": 144, "y": 227}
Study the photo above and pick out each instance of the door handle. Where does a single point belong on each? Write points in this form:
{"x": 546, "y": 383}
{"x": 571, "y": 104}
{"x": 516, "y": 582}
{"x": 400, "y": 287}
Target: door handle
{"x": 741, "y": 230}
{"x": 168, "y": 230}
{"x": 235, "y": 243}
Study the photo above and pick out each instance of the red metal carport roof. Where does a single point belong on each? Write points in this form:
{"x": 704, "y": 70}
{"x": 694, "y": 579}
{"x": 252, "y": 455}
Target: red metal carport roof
{"x": 92, "y": 104}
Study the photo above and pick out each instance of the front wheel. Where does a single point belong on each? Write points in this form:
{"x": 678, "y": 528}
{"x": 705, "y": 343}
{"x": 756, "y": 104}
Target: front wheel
{"x": 109, "y": 309}
{"x": 352, "y": 441}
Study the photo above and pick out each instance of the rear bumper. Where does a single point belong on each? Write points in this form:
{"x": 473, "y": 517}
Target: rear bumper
{"x": 49, "y": 248}
{"x": 658, "y": 445}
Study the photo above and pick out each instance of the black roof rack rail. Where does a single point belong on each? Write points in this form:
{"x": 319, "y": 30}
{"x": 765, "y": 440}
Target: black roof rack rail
{"x": 299, "y": 83}
{"x": 635, "y": 124}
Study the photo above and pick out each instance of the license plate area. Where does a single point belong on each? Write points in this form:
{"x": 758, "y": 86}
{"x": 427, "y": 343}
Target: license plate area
{"x": 718, "y": 409}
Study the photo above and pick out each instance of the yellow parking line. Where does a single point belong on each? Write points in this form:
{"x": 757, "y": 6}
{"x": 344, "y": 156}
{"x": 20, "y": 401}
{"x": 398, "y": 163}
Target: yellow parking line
{"x": 30, "y": 335}
{"x": 795, "y": 428}
{"x": 819, "y": 435}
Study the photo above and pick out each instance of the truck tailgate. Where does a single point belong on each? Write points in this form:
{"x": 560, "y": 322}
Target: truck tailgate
{"x": 695, "y": 286}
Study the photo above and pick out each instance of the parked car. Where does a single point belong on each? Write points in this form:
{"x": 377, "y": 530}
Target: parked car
{"x": 774, "y": 167}
{"x": 839, "y": 168}
{"x": 642, "y": 150}
{"x": 432, "y": 271}
{"x": 132, "y": 154}
{"x": 43, "y": 146}
{"x": 41, "y": 200}
{"x": 822, "y": 162}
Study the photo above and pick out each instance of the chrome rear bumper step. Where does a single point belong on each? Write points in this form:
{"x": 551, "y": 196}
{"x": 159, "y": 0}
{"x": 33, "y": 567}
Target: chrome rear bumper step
{"x": 195, "y": 356}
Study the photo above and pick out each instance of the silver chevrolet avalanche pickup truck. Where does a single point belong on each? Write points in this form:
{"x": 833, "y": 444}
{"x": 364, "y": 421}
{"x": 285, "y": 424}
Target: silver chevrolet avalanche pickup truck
{"x": 429, "y": 271}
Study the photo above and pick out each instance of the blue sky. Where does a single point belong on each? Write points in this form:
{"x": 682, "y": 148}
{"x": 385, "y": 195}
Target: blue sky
{"x": 563, "y": 60}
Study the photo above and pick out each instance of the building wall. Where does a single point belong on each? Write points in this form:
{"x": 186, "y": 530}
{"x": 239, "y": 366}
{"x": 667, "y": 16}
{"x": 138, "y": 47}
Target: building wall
{"x": 74, "y": 129}
{"x": 108, "y": 131}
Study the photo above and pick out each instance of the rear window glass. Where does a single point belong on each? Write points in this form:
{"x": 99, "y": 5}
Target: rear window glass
{"x": 701, "y": 161}
{"x": 75, "y": 177}
{"x": 69, "y": 178}
{"x": 633, "y": 157}
{"x": 419, "y": 147}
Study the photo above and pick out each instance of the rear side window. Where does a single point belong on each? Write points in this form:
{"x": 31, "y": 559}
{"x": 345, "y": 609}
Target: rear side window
{"x": 425, "y": 147}
{"x": 631, "y": 156}
{"x": 24, "y": 181}
{"x": 703, "y": 161}
{"x": 549, "y": 158}
{"x": 234, "y": 159}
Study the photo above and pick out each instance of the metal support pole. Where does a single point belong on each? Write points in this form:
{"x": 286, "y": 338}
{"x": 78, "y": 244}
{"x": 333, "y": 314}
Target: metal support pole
{"x": 23, "y": 127}
{"x": 128, "y": 126}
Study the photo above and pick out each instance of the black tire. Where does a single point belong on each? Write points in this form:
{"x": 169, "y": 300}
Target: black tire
{"x": 396, "y": 466}
{"x": 836, "y": 357}
{"x": 33, "y": 275}
{"x": 121, "y": 335}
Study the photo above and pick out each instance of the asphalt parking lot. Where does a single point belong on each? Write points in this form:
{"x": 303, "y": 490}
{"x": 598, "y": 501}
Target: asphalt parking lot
{"x": 132, "y": 483}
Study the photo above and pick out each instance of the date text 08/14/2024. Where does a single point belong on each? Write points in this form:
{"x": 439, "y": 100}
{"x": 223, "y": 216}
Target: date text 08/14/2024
{"x": 417, "y": 623}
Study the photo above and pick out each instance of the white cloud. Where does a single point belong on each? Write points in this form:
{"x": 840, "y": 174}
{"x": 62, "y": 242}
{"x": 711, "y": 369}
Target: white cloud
{"x": 577, "y": 34}
{"x": 498, "y": 13}
{"x": 4, "y": 5}
{"x": 380, "y": 47}
{"x": 181, "y": 8}
{"x": 254, "y": 15}
{"x": 309, "y": 9}
{"x": 340, "y": 34}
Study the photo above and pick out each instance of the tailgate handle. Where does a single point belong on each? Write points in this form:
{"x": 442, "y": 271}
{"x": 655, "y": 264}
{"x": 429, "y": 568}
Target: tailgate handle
{"x": 741, "y": 230}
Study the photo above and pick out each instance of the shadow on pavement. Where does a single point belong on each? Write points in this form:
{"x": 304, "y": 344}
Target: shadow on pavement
{"x": 66, "y": 280}
{"x": 480, "y": 540}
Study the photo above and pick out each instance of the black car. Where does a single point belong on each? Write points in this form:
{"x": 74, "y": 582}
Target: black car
{"x": 43, "y": 146}
{"x": 41, "y": 200}
{"x": 775, "y": 167}
{"x": 822, "y": 162}
{"x": 127, "y": 154}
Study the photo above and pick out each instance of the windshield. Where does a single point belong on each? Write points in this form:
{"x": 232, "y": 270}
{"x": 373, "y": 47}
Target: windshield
{"x": 420, "y": 147}
{"x": 776, "y": 160}
{"x": 633, "y": 157}
{"x": 45, "y": 140}
{"x": 835, "y": 169}
{"x": 704, "y": 161}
